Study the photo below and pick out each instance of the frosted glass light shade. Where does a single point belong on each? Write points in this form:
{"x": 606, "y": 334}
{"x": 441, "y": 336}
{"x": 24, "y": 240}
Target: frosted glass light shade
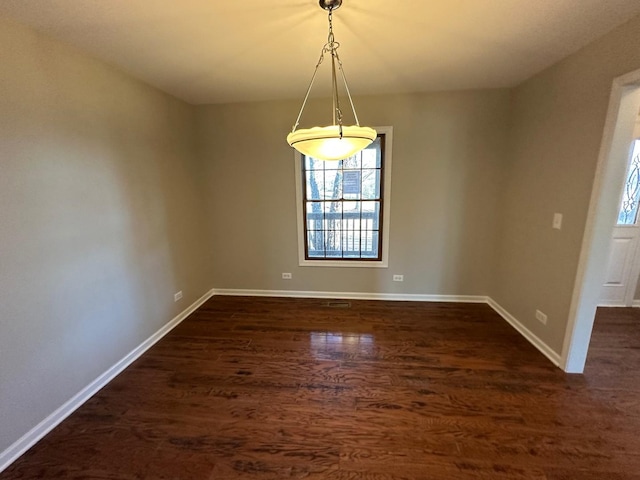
{"x": 324, "y": 143}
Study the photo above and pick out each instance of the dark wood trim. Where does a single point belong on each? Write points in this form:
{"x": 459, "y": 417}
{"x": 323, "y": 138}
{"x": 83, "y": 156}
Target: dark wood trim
{"x": 381, "y": 219}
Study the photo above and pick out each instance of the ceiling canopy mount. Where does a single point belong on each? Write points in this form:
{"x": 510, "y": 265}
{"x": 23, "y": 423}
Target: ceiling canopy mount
{"x": 330, "y": 4}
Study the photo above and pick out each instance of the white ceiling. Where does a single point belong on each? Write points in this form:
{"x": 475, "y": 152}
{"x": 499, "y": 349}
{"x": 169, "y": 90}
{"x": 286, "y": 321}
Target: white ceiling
{"x": 218, "y": 51}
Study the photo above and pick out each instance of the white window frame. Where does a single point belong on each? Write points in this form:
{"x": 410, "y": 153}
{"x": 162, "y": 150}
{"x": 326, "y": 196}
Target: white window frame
{"x": 386, "y": 213}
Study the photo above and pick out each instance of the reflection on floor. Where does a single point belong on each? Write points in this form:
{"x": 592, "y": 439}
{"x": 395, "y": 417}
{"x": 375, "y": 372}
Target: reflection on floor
{"x": 330, "y": 345}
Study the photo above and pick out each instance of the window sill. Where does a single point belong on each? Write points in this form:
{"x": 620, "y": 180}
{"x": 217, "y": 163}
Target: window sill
{"x": 344, "y": 263}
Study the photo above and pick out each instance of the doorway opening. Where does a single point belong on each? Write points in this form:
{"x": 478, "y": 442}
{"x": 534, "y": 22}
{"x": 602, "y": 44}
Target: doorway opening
{"x": 623, "y": 264}
{"x": 624, "y": 105}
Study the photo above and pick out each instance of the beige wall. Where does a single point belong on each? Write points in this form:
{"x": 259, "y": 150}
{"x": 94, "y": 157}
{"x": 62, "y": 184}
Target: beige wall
{"x": 557, "y": 125}
{"x": 448, "y": 158}
{"x": 99, "y": 221}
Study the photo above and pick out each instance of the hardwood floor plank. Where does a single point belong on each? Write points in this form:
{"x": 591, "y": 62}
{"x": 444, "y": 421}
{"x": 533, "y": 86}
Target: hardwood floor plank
{"x": 273, "y": 388}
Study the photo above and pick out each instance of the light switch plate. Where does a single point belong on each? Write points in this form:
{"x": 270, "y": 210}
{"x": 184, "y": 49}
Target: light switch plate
{"x": 557, "y": 221}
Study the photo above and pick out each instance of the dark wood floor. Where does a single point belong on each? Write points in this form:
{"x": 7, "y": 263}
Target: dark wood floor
{"x": 289, "y": 388}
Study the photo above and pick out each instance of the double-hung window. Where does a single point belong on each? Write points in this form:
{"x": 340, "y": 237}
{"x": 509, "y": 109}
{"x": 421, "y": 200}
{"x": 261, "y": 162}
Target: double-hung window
{"x": 343, "y": 207}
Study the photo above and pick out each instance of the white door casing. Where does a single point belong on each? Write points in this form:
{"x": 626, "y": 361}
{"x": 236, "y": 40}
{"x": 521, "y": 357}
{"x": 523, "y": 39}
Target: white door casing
{"x": 622, "y": 113}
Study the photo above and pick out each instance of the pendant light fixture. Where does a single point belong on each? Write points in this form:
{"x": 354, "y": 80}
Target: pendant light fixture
{"x": 336, "y": 141}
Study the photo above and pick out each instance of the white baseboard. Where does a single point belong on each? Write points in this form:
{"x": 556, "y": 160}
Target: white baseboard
{"x": 635, "y": 303}
{"x": 526, "y": 333}
{"x": 30, "y": 438}
{"x": 404, "y": 297}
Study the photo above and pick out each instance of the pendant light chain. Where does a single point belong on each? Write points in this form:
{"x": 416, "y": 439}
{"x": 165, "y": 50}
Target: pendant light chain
{"x": 330, "y": 47}
{"x": 306, "y": 97}
{"x": 346, "y": 87}
{"x": 330, "y": 37}
{"x": 336, "y": 141}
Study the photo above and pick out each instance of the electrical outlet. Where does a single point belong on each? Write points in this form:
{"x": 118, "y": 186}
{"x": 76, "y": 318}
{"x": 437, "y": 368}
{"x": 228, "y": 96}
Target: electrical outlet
{"x": 177, "y": 296}
{"x": 542, "y": 318}
{"x": 398, "y": 278}
{"x": 286, "y": 276}
{"x": 557, "y": 221}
